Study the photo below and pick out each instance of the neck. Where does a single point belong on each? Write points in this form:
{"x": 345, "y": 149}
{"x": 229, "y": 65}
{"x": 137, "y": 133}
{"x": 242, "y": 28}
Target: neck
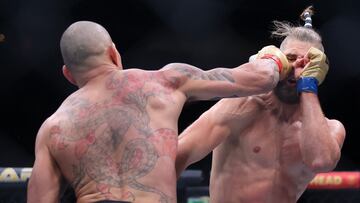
{"x": 285, "y": 112}
{"x": 94, "y": 73}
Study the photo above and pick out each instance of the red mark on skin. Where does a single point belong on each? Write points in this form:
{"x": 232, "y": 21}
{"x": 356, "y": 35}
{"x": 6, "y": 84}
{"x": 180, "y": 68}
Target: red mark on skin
{"x": 82, "y": 113}
{"x": 111, "y": 164}
{"x": 171, "y": 83}
{"x": 90, "y": 138}
{"x": 114, "y": 82}
{"x": 55, "y": 130}
{"x": 57, "y": 141}
{"x": 165, "y": 141}
{"x": 162, "y": 86}
{"x": 80, "y": 148}
{"x": 128, "y": 196}
{"x": 103, "y": 188}
{"x": 82, "y": 145}
{"x": 61, "y": 144}
{"x": 90, "y": 110}
{"x": 257, "y": 149}
{"x": 134, "y": 83}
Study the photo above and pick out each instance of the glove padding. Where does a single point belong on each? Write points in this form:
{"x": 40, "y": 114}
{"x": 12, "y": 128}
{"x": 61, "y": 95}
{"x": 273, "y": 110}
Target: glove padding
{"x": 317, "y": 66}
{"x": 274, "y": 53}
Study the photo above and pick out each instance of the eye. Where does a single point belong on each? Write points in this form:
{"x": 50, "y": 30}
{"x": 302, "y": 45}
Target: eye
{"x": 291, "y": 57}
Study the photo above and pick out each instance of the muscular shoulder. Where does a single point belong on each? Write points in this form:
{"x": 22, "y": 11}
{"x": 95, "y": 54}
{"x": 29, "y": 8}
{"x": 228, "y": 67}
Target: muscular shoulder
{"x": 168, "y": 77}
{"x": 178, "y": 73}
{"x": 235, "y": 110}
{"x": 251, "y": 104}
{"x": 44, "y": 131}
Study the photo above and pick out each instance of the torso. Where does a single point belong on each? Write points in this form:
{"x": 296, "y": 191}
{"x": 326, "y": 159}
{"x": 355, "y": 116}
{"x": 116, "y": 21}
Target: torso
{"x": 118, "y": 136}
{"x": 261, "y": 162}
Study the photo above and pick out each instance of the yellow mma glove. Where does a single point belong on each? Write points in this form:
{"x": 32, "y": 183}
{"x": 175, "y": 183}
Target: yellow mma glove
{"x": 274, "y": 53}
{"x": 314, "y": 72}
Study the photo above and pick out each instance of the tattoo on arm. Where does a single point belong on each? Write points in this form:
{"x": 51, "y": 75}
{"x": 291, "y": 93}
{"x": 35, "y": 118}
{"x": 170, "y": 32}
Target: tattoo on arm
{"x": 218, "y": 74}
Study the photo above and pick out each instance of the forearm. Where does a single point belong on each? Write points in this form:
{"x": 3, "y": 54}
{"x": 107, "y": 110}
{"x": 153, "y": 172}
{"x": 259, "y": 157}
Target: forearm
{"x": 319, "y": 149}
{"x": 258, "y": 76}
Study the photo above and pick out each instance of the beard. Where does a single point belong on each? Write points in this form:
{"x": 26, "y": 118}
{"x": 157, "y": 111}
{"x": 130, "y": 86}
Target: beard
{"x": 286, "y": 93}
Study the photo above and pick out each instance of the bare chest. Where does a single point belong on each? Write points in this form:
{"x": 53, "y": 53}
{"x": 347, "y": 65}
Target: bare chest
{"x": 269, "y": 143}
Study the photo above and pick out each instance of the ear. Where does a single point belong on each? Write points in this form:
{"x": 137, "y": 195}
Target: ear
{"x": 68, "y": 75}
{"x": 115, "y": 56}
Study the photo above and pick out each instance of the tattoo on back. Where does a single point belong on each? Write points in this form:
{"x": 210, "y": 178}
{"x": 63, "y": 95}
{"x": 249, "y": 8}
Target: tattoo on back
{"x": 97, "y": 133}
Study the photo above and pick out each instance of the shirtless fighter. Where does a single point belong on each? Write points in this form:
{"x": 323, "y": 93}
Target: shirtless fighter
{"x": 276, "y": 142}
{"x": 115, "y": 138}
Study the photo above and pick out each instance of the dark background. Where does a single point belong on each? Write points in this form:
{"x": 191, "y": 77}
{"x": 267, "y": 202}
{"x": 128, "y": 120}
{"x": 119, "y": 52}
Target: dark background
{"x": 151, "y": 33}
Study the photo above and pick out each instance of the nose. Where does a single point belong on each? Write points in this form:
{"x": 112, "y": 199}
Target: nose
{"x": 298, "y": 66}
{"x": 300, "y": 62}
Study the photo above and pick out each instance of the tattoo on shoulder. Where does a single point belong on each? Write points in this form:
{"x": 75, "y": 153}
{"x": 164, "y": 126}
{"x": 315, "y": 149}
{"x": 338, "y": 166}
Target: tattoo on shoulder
{"x": 218, "y": 74}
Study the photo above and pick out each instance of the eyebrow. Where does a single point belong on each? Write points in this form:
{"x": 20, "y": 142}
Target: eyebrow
{"x": 291, "y": 55}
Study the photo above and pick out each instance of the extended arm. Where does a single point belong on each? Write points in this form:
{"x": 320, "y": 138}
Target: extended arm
{"x": 256, "y": 77}
{"x": 45, "y": 181}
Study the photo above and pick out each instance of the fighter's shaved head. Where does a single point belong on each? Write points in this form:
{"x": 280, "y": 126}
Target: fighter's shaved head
{"x": 81, "y": 41}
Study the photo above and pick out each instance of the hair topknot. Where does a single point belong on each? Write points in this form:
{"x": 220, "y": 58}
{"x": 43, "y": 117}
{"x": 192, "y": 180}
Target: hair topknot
{"x": 310, "y": 10}
{"x": 286, "y": 30}
{"x": 306, "y": 16}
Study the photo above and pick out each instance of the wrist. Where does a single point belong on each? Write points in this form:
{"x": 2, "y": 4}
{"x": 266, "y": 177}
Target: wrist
{"x": 307, "y": 84}
{"x": 274, "y": 58}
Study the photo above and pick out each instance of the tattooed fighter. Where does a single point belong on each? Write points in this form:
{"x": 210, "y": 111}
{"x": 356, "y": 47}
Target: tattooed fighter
{"x": 115, "y": 138}
{"x": 276, "y": 142}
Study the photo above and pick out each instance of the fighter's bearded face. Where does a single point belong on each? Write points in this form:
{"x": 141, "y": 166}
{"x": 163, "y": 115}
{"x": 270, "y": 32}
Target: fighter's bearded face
{"x": 295, "y": 52}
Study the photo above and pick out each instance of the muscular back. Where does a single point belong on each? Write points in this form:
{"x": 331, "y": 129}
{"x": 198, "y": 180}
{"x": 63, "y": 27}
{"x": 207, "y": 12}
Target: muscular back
{"x": 261, "y": 161}
{"x": 117, "y": 135}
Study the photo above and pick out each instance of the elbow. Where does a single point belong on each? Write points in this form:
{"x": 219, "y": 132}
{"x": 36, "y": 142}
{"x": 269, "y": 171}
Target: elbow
{"x": 181, "y": 163}
{"x": 325, "y": 163}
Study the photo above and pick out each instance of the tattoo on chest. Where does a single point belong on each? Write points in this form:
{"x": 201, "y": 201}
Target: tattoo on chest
{"x": 96, "y": 134}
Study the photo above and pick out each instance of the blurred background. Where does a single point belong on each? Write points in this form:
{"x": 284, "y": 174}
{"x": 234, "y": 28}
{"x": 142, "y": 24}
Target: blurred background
{"x": 152, "y": 33}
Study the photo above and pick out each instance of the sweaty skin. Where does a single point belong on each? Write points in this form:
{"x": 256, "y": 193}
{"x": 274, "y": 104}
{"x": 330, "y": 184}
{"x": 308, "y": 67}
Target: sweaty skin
{"x": 116, "y": 137}
{"x": 272, "y": 148}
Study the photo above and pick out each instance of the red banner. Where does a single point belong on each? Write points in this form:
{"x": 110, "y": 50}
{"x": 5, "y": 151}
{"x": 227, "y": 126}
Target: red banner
{"x": 336, "y": 180}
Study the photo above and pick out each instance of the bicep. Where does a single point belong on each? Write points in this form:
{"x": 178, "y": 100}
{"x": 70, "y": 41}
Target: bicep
{"x": 45, "y": 181}
{"x": 199, "y": 139}
{"x": 198, "y": 84}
